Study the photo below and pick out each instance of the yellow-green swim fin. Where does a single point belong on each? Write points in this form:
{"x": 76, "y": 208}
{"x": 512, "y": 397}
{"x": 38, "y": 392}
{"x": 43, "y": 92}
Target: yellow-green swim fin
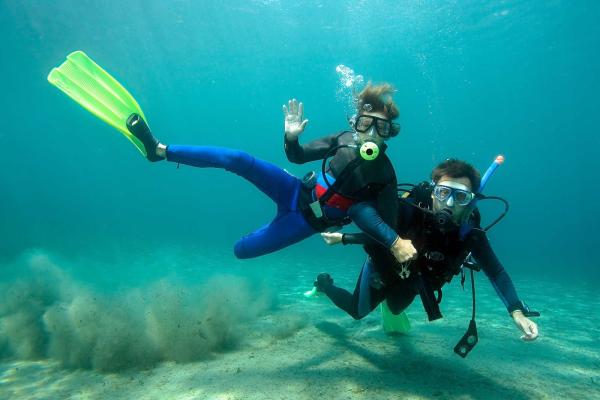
{"x": 393, "y": 323}
{"x": 95, "y": 90}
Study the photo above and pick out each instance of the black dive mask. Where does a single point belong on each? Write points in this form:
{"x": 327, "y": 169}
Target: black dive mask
{"x": 384, "y": 127}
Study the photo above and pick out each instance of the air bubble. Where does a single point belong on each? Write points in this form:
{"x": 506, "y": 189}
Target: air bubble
{"x": 349, "y": 85}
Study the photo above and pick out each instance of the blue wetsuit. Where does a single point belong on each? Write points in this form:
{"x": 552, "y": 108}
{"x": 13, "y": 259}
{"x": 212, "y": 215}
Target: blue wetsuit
{"x": 290, "y": 225}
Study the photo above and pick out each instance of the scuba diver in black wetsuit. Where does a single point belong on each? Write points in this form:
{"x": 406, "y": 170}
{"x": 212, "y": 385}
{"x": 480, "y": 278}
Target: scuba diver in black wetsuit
{"x": 443, "y": 224}
{"x": 358, "y": 172}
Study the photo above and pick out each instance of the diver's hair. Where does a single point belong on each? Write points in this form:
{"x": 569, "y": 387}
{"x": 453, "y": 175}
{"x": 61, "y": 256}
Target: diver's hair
{"x": 380, "y": 99}
{"x": 457, "y": 169}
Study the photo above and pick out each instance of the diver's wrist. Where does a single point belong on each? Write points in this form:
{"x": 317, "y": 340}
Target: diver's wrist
{"x": 291, "y": 136}
{"x": 517, "y": 306}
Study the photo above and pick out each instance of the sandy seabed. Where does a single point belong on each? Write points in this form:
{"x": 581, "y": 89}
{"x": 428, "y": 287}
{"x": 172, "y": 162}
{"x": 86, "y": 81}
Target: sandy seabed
{"x": 306, "y": 349}
{"x": 337, "y": 358}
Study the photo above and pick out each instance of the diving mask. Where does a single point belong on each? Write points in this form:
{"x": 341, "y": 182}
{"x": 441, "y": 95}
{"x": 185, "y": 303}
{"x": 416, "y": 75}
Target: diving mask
{"x": 384, "y": 127}
{"x": 449, "y": 192}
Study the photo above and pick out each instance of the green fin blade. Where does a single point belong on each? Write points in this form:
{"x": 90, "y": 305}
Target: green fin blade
{"x": 393, "y": 323}
{"x": 84, "y": 81}
{"x": 311, "y": 293}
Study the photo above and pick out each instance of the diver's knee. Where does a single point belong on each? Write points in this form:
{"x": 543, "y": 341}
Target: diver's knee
{"x": 243, "y": 252}
{"x": 240, "y": 252}
{"x": 357, "y": 316}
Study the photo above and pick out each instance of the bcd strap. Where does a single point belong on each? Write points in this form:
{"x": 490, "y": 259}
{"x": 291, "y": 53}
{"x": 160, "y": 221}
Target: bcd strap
{"x": 339, "y": 180}
{"x": 314, "y": 213}
{"x": 428, "y": 298}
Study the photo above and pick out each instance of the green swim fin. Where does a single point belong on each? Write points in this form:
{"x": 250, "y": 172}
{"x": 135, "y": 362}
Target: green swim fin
{"x": 95, "y": 90}
{"x": 311, "y": 293}
{"x": 393, "y": 323}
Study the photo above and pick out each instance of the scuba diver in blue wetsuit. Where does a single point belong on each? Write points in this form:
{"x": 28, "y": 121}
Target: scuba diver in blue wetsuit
{"x": 441, "y": 220}
{"x": 358, "y": 177}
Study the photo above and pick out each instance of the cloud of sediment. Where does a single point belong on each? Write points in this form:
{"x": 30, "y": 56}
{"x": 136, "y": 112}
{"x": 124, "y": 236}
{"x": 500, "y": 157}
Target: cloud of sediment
{"x": 45, "y": 314}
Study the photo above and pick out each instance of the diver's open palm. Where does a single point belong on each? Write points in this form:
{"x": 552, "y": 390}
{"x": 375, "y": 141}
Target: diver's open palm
{"x": 293, "y": 118}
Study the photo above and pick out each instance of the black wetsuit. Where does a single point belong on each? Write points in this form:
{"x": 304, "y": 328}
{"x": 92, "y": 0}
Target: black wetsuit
{"x": 366, "y": 181}
{"x": 440, "y": 256}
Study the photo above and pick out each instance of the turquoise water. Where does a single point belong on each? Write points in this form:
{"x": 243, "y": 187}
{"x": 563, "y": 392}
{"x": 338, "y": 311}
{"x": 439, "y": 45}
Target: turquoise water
{"x": 84, "y": 215}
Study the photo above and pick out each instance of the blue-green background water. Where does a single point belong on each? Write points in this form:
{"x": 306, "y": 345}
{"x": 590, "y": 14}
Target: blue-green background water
{"x": 473, "y": 79}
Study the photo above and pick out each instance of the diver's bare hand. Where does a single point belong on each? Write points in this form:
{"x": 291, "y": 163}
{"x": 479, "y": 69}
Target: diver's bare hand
{"x": 332, "y": 238}
{"x": 527, "y": 326}
{"x": 403, "y": 250}
{"x": 293, "y": 119}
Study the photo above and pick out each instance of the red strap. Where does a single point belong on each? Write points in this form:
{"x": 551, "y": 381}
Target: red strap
{"x": 336, "y": 201}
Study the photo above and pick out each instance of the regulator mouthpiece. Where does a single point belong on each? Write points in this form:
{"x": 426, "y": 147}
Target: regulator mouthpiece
{"x": 444, "y": 221}
{"x": 369, "y": 151}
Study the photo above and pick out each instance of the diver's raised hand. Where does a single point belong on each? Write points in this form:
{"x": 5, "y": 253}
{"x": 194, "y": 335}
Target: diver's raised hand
{"x": 293, "y": 119}
{"x": 332, "y": 238}
{"x": 527, "y": 326}
{"x": 403, "y": 250}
